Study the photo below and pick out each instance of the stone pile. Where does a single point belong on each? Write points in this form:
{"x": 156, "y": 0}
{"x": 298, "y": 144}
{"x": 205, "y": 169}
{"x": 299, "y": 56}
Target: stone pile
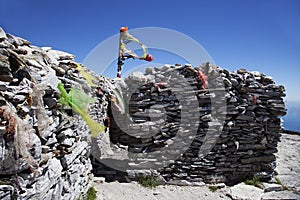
{"x": 221, "y": 128}
{"x": 44, "y": 153}
{"x": 187, "y": 125}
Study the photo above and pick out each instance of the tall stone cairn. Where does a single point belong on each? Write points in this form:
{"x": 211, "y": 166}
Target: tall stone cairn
{"x": 44, "y": 150}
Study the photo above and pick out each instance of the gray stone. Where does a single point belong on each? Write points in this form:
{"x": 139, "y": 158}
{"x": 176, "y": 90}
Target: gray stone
{"x": 51, "y": 141}
{"x": 45, "y": 149}
{"x": 5, "y": 75}
{"x": 137, "y": 76}
{"x": 51, "y": 178}
{"x": 18, "y": 98}
{"x": 60, "y": 55}
{"x": 180, "y": 182}
{"x": 258, "y": 159}
{"x": 4, "y": 60}
{"x": 149, "y": 71}
{"x": 57, "y": 191}
{"x": 206, "y": 117}
{"x": 281, "y": 195}
{"x": 234, "y": 82}
{"x": 50, "y": 79}
{"x": 7, "y": 192}
{"x": 245, "y": 192}
{"x": 68, "y": 142}
{"x": 269, "y": 187}
{"x": 3, "y": 86}
{"x": 99, "y": 180}
{"x": 59, "y": 71}
{"x": 69, "y": 132}
{"x": 17, "y": 40}
{"x": 79, "y": 149}
{"x": 2, "y": 35}
{"x": 227, "y": 82}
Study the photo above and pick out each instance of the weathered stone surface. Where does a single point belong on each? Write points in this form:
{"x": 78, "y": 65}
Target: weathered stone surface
{"x": 287, "y": 163}
{"x": 245, "y": 192}
{"x": 2, "y": 34}
{"x": 176, "y": 121}
{"x": 269, "y": 187}
{"x": 52, "y": 176}
{"x": 7, "y": 192}
{"x": 282, "y": 195}
{"x": 242, "y": 144}
{"x": 37, "y": 161}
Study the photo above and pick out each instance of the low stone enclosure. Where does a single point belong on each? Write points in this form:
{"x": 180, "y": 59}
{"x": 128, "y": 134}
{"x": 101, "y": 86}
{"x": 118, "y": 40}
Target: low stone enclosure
{"x": 184, "y": 125}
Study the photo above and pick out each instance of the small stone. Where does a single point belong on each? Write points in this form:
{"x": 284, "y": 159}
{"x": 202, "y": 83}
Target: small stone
{"x": 198, "y": 184}
{"x": 59, "y": 71}
{"x": 5, "y": 75}
{"x": 165, "y": 67}
{"x": 99, "y": 179}
{"x": 18, "y": 99}
{"x": 16, "y": 61}
{"x": 17, "y": 40}
{"x": 50, "y": 102}
{"x": 46, "y": 48}
{"x": 149, "y": 70}
{"x": 2, "y": 101}
{"x": 3, "y": 86}
{"x": 23, "y": 110}
{"x": 137, "y": 76}
{"x": 68, "y": 142}
{"x": 6, "y": 191}
{"x": 180, "y": 182}
{"x": 269, "y": 187}
{"x": 61, "y": 137}
{"x": 60, "y": 55}
{"x": 227, "y": 82}
{"x": 241, "y": 71}
{"x": 206, "y": 117}
{"x": 69, "y": 132}
{"x": 51, "y": 141}
{"x": 267, "y": 80}
{"x": 220, "y": 185}
{"x": 45, "y": 149}
{"x": 2, "y": 35}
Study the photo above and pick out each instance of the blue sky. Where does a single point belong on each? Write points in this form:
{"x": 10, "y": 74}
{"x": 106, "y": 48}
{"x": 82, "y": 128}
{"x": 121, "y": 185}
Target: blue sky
{"x": 261, "y": 35}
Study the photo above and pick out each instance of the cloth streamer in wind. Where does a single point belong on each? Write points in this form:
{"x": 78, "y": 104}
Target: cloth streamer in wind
{"x": 125, "y": 52}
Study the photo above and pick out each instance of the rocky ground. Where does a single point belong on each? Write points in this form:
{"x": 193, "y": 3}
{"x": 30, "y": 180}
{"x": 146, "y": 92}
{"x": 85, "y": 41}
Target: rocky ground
{"x": 288, "y": 170}
{"x": 288, "y": 156}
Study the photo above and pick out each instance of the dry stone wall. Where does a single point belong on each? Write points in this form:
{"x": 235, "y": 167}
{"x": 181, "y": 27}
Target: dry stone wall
{"x": 44, "y": 149}
{"x": 168, "y": 122}
{"x": 212, "y": 141}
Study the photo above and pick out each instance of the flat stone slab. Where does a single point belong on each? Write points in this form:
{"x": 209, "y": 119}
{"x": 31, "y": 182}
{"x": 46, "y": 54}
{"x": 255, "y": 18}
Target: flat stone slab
{"x": 287, "y": 161}
{"x": 281, "y": 195}
{"x": 245, "y": 192}
{"x": 292, "y": 181}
